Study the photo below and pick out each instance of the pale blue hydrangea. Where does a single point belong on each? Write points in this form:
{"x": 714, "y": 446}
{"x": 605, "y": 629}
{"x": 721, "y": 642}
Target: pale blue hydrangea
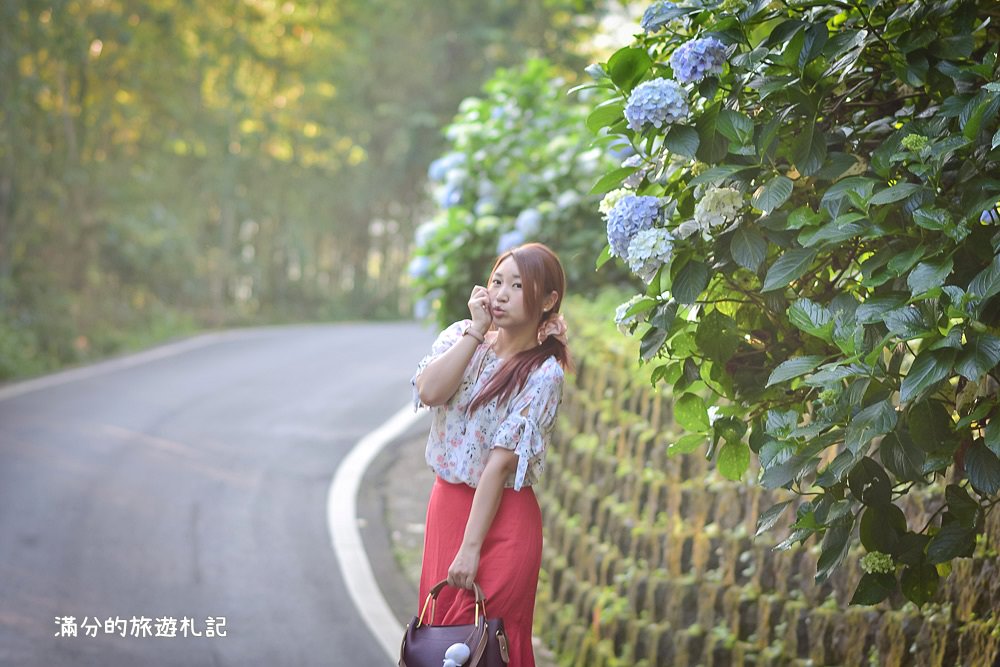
{"x": 610, "y": 199}
{"x": 631, "y": 215}
{"x": 425, "y": 232}
{"x": 440, "y": 167}
{"x": 635, "y": 178}
{"x": 698, "y": 58}
{"x": 658, "y": 102}
{"x": 568, "y": 199}
{"x": 990, "y": 216}
{"x": 419, "y": 266}
{"x": 449, "y": 196}
{"x": 485, "y": 206}
{"x": 717, "y": 207}
{"x": 511, "y": 239}
{"x": 648, "y": 251}
{"x": 623, "y": 320}
{"x": 596, "y": 72}
{"x": 656, "y": 16}
{"x": 421, "y": 309}
{"x": 528, "y": 222}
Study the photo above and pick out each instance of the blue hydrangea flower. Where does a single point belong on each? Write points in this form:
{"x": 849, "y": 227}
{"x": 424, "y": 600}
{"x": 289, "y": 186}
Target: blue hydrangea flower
{"x": 698, "y": 58}
{"x": 655, "y": 16}
{"x": 441, "y": 166}
{"x": 529, "y": 222}
{"x": 511, "y": 239}
{"x": 631, "y": 215}
{"x": 419, "y": 266}
{"x": 648, "y": 251}
{"x": 990, "y": 216}
{"x": 657, "y": 102}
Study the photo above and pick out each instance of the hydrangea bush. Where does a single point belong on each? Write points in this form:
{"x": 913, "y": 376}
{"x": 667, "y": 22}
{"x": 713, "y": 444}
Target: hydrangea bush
{"x": 513, "y": 173}
{"x": 812, "y": 204}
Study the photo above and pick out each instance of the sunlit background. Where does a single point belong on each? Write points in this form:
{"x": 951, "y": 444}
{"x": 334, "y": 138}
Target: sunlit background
{"x": 168, "y": 166}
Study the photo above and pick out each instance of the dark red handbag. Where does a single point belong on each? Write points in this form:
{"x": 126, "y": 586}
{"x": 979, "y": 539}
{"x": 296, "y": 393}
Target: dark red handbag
{"x": 425, "y": 644}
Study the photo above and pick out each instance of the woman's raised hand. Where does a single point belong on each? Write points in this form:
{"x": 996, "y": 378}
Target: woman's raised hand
{"x": 479, "y": 308}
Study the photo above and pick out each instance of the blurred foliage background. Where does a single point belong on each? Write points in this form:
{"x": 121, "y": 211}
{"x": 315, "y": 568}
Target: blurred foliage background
{"x": 168, "y": 165}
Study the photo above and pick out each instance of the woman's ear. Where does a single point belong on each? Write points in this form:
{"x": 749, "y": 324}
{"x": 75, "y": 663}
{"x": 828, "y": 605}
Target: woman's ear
{"x": 550, "y": 301}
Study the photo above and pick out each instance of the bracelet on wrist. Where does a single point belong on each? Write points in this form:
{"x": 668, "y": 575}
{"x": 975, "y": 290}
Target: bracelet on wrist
{"x": 469, "y": 331}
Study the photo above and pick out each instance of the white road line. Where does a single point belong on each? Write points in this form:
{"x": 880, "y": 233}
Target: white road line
{"x": 342, "y": 519}
{"x": 111, "y": 365}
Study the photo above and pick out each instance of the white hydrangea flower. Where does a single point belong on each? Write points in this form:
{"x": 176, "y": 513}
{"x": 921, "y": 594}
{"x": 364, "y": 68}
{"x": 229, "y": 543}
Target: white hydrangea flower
{"x": 621, "y": 320}
{"x": 611, "y": 199}
{"x": 717, "y": 207}
{"x": 686, "y": 229}
{"x": 648, "y": 251}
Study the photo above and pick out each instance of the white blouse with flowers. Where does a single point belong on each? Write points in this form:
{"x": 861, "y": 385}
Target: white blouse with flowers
{"x": 459, "y": 442}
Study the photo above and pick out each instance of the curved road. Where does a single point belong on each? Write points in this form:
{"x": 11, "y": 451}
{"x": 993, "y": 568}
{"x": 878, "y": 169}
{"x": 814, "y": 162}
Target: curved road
{"x": 191, "y": 481}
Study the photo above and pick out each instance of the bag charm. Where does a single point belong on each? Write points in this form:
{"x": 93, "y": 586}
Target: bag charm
{"x": 456, "y": 655}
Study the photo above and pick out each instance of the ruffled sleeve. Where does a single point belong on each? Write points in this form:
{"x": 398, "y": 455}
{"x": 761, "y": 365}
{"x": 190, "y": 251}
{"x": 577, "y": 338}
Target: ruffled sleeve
{"x": 444, "y": 341}
{"x": 527, "y": 428}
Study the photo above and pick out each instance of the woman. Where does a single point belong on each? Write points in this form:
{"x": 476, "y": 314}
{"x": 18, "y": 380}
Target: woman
{"x": 494, "y": 382}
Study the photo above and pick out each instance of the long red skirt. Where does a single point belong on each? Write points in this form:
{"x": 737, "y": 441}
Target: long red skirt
{"x": 508, "y": 563}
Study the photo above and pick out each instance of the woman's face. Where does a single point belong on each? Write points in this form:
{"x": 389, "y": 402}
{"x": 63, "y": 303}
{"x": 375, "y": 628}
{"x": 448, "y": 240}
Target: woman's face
{"x": 507, "y": 296}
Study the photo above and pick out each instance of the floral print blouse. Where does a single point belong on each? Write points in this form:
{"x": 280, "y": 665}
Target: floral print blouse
{"x": 459, "y": 442}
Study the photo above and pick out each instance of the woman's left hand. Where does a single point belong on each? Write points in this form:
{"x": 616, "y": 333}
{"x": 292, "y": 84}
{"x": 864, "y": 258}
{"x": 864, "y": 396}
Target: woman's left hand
{"x": 462, "y": 572}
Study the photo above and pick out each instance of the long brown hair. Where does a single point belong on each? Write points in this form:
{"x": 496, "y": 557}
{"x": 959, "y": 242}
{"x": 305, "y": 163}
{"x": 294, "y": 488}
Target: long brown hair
{"x": 541, "y": 274}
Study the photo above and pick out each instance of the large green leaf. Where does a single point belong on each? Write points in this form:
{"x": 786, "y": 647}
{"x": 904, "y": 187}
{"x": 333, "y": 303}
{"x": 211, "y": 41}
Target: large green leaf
{"x": 748, "y": 248}
{"x": 931, "y": 427}
{"x": 873, "y": 588}
{"x": 869, "y": 484}
{"x": 790, "y": 266}
{"x": 927, "y": 370}
{"x": 772, "y": 194}
{"x": 605, "y": 115}
{"x": 875, "y": 420}
{"x": 812, "y": 318}
{"x": 793, "y": 368}
{"x": 919, "y": 583}
{"x": 835, "y": 545}
{"x": 627, "y": 67}
{"x": 926, "y": 276}
{"x": 982, "y": 467}
{"x": 881, "y": 527}
{"x": 980, "y": 354}
{"x": 987, "y": 282}
{"x": 734, "y": 458}
{"x": 809, "y": 150}
{"x": 682, "y": 140}
{"x": 902, "y": 457}
{"x": 952, "y": 541}
{"x": 690, "y": 282}
{"x": 894, "y": 193}
{"x": 735, "y": 126}
{"x": 690, "y": 413}
{"x": 611, "y": 180}
{"x": 770, "y": 516}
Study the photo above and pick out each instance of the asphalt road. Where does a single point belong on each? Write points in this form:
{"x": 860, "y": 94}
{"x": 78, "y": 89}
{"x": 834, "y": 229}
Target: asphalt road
{"x": 192, "y": 484}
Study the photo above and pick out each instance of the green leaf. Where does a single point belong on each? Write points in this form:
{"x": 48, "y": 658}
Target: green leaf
{"x": 812, "y": 318}
{"x": 902, "y": 457}
{"x": 926, "y": 276}
{"x": 735, "y": 126}
{"x": 793, "y": 368}
{"x": 770, "y": 516}
{"x": 612, "y": 180}
{"x": 927, "y": 370}
{"x": 682, "y": 140}
{"x": 931, "y": 427}
{"x": 961, "y": 505}
{"x": 952, "y": 541}
{"x": 869, "y": 484}
{"x": 604, "y": 257}
{"x": 881, "y": 528}
{"x": 919, "y": 583}
{"x": 987, "y": 282}
{"x": 719, "y": 174}
{"x": 686, "y": 444}
{"x": 790, "y": 266}
{"x": 982, "y": 467}
{"x": 809, "y": 150}
{"x": 906, "y": 322}
{"x": 718, "y": 336}
{"x": 873, "y": 588}
{"x": 748, "y": 248}
{"x": 651, "y": 343}
{"x": 835, "y": 545}
{"x": 980, "y": 354}
{"x": 627, "y": 67}
{"x": 894, "y": 193}
{"x": 690, "y": 282}
{"x": 605, "y": 115}
{"x": 772, "y": 194}
{"x": 875, "y": 420}
{"x": 875, "y": 308}
{"x": 691, "y": 414}
{"x": 734, "y": 458}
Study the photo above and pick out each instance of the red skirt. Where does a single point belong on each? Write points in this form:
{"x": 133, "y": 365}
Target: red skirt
{"x": 508, "y": 562}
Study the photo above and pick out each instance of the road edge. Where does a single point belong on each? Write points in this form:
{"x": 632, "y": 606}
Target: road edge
{"x": 345, "y": 535}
